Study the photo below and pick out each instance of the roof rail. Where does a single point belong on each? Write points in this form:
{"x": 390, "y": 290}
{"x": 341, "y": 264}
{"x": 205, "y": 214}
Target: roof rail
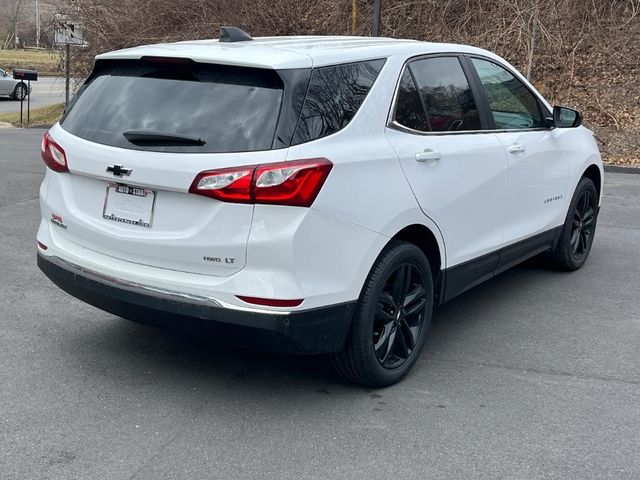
{"x": 233, "y": 34}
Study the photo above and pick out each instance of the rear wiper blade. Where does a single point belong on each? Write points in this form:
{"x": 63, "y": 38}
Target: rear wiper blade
{"x": 149, "y": 138}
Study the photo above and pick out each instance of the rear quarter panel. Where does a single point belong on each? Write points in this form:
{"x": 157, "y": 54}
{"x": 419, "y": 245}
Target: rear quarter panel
{"x": 367, "y": 186}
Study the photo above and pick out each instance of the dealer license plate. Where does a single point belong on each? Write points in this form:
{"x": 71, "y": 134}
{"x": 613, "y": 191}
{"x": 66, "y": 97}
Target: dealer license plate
{"x": 129, "y": 204}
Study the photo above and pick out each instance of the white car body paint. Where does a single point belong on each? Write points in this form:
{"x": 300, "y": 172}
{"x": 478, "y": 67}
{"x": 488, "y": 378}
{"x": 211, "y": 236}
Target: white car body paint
{"x": 476, "y": 199}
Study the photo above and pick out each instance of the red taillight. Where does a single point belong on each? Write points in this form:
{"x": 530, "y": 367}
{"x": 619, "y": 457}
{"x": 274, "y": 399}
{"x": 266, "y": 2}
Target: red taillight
{"x": 226, "y": 184}
{"x": 295, "y": 183}
{"x": 53, "y": 154}
{"x": 270, "y": 302}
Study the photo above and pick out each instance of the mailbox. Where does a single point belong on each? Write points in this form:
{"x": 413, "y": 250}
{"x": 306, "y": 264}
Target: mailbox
{"x": 23, "y": 74}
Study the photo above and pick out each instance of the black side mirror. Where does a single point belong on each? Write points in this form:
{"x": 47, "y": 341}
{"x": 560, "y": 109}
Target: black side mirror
{"x": 564, "y": 117}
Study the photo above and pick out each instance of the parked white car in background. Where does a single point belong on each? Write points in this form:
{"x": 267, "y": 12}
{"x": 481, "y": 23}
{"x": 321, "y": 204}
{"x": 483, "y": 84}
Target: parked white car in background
{"x": 16, "y": 89}
{"x": 309, "y": 194}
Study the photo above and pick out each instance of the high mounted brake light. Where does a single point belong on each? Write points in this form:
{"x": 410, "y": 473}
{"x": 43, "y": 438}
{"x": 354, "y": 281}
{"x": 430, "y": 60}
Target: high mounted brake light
{"x": 294, "y": 183}
{"x": 166, "y": 60}
{"x": 53, "y": 154}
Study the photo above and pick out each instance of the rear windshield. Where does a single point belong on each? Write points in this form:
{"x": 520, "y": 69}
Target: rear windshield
{"x": 207, "y": 108}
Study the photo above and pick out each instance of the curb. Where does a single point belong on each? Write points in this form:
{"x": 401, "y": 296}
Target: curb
{"x": 618, "y": 169}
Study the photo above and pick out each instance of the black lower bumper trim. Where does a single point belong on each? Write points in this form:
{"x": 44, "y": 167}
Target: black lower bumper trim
{"x": 320, "y": 330}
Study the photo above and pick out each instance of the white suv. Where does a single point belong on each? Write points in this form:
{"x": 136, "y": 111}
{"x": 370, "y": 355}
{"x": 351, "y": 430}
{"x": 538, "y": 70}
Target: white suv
{"x": 309, "y": 194}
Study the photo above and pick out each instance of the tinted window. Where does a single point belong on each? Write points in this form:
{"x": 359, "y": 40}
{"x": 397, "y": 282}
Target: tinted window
{"x": 448, "y": 99}
{"x": 512, "y": 104}
{"x": 334, "y": 96}
{"x": 409, "y": 108}
{"x": 230, "y": 108}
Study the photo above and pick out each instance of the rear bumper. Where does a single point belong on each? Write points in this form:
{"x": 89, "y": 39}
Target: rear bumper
{"x": 314, "y": 331}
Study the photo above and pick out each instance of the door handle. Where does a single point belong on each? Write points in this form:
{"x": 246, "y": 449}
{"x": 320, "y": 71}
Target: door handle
{"x": 428, "y": 156}
{"x": 516, "y": 148}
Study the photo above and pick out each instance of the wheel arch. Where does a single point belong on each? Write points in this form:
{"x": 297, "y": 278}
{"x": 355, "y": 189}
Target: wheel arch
{"x": 595, "y": 175}
{"x": 424, "y": 238}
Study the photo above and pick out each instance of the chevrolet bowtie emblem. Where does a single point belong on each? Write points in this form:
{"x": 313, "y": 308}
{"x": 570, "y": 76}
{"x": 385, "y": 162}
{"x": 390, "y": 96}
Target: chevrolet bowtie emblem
{"x": 119, "y": 170}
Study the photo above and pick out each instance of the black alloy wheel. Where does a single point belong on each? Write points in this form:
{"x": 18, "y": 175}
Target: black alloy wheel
{"x": 578, "y": 231}
{"x": 391, "y": 320}
{"x": 400, "y": 316}
{"x": 583, "y": 227}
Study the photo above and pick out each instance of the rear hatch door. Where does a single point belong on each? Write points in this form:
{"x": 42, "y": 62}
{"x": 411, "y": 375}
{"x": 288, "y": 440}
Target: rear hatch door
{"x": 136, "y": 137}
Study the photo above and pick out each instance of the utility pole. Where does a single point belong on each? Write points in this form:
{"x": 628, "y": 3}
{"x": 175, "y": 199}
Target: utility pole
{"x": 16, "y": 16}
{"x": 37, "y": 24}
{"x": 375, "y": 28}
{"x": 67, "y": 68}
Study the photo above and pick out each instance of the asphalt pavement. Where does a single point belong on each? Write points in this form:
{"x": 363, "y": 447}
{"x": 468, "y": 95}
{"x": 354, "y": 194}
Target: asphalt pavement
{"x": 45, "y": 91}
{"x": 532, "y": 375}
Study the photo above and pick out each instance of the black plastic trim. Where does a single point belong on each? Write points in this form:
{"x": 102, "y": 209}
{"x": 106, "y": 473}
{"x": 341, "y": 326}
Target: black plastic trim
{"x": 296, "y": 83}
{"x": 313, "y": 331}
{"x": 460, "y": 278}
{"x": 479, "y": 94}
{"x": 525, "y": 249}
{"x": 467, "y": 275}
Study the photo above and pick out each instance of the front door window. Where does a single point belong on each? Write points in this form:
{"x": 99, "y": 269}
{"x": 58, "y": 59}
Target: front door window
{"x": 512, "y": 104}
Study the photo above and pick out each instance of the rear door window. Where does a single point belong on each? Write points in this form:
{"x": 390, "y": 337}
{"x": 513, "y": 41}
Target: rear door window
{"x": 334, "y": 96}
{"x": 409, "y": 107}
{"x": 230, "y": 109}
{"x": 445, "y": 91}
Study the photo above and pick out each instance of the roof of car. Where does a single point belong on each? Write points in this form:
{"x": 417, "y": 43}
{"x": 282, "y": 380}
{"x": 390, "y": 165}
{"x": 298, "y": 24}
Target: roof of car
{"x": 288, "y": 52}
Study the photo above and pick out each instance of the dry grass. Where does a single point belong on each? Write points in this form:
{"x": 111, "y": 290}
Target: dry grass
{"x": 45, "y": 62}
{"x": 39, "y": 116}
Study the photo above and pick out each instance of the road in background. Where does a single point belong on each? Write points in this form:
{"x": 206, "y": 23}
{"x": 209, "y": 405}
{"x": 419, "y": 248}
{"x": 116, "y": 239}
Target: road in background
{"x": 534, "y": 374}
{"x": 45, "y": 91}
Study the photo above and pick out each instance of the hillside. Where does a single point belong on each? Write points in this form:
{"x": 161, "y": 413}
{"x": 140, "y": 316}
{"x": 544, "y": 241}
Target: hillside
{"x": 580, "y": 53}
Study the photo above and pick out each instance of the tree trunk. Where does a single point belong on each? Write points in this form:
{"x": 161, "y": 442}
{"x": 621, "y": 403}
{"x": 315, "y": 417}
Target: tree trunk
{"x": 533, "y": 33}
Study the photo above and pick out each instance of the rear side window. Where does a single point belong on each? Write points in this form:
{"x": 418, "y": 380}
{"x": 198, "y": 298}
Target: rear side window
{"x": 409, "y": 108}
{"x": 334, "y": 96}
{"x": 512, "y": 104}
{"x": 230, "y": 109}
{"x": 446, "y": 94}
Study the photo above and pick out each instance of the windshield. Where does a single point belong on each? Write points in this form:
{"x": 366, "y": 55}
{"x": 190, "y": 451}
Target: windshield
{"x": 228, "y": 109}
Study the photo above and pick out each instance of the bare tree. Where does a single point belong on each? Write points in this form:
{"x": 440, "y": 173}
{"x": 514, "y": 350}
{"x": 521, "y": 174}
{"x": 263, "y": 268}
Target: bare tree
{"x": 583, "y": 53}
{"x": 15, "y": 8}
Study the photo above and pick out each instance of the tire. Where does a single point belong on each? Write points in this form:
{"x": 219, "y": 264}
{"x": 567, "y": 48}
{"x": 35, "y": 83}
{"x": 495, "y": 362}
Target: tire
{"x": 384, "y": 341}
{"x": 19, "y": 92}
{"x": 579, "y": 228}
